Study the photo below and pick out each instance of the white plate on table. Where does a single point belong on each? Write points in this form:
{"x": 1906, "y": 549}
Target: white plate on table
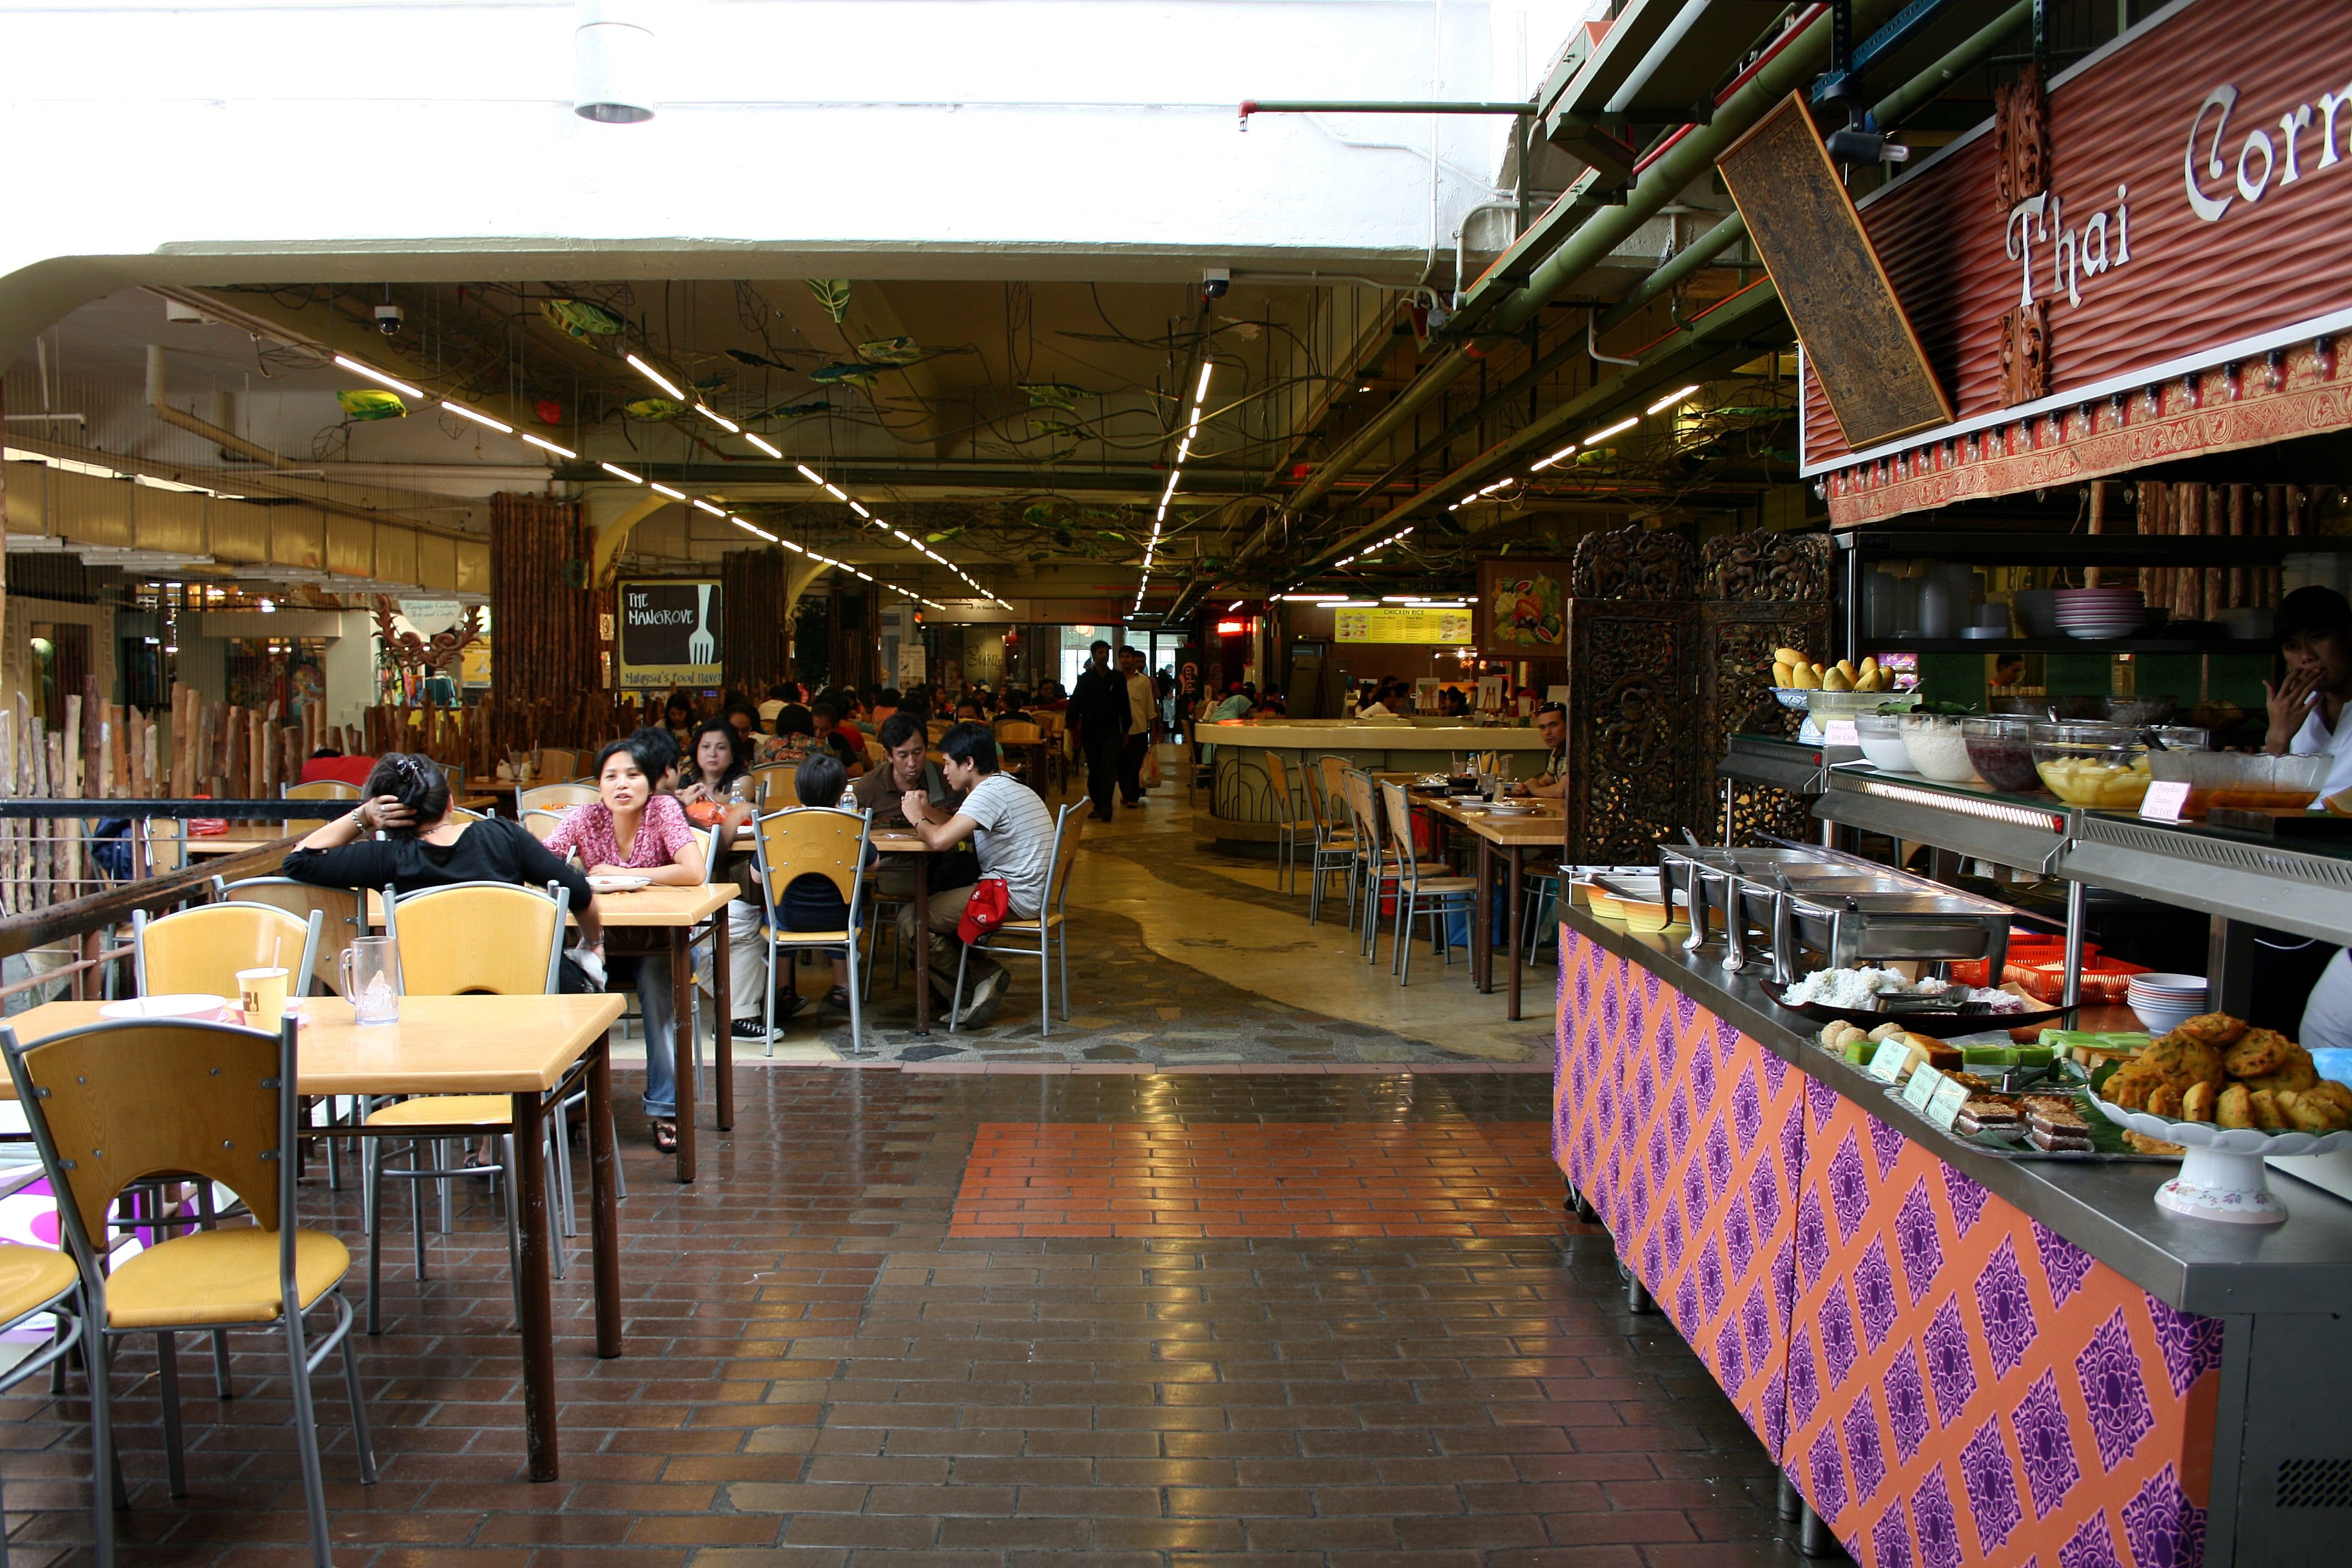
{"x": 618, "y": 884}
{"x": 184, "y": 1004}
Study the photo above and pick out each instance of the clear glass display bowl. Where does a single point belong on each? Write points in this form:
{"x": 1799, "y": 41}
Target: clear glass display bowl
{"x": 1882, "y": 740}
{"x": 2104, "y": 766}
{"x": 2001, "y": 751}
{"x": 2241, "y": 779}
{"x": 1937, "y": 748}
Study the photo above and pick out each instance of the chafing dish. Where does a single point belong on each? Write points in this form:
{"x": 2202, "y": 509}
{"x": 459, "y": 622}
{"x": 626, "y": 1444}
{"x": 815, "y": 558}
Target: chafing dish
{"x": 1851, "y": 910}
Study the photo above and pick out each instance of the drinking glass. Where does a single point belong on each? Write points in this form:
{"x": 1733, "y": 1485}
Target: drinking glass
{"x": 371, "y": 973}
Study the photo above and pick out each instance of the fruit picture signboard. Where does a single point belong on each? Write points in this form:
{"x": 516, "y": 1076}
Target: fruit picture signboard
{"x": 670, "y": 634}
{"x": 1523, "y": 608}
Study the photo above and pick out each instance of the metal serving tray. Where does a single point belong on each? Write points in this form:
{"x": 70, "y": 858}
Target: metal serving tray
{"x": 1850, "y": 909}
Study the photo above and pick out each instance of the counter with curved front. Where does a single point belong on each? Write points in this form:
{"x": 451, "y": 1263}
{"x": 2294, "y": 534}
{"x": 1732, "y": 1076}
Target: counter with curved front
{"x": 1242, "y": 809}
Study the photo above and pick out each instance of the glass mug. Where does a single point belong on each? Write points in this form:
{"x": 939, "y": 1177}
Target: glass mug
{"x": 371, "y": 975}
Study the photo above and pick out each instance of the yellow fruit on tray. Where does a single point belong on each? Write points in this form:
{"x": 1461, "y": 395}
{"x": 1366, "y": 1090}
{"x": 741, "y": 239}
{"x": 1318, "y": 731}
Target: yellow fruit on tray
{"x": 2096, "y": 781}
{"x": 1803, "y": 676}
{"x": 1836, "y": 681}
{"x": 1788, "y": 656}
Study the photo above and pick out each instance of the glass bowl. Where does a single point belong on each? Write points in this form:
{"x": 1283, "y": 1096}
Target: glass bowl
{"x": 2181, "y": 737}
{"x": 2001, "y": 751}
{"x": 1936, "y": 748}
{"x": 2105, "y": 766}
{"x": 1882, "y": 740}
{"x": 2142, "y": 710}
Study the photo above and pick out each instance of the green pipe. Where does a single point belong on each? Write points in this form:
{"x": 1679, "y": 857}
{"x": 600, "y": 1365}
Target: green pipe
{"x": 1921, "y": 90}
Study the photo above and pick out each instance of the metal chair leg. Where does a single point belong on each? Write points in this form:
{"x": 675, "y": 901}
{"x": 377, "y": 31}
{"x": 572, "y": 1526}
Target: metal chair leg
{"x": 955, "y": 1003}
{"x": 372, "y": 1214}
{"x": 361, "y": 1439}
{"x": 167, "y": 1383}
{"x": 105, "y": 1478}
{"x": 306, "y": 1437}
{"x": 208, "y": 1218}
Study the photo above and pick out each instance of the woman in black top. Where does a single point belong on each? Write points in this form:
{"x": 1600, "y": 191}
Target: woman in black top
{"x": 406, "y": 799}
{"x": 716, "y": 760}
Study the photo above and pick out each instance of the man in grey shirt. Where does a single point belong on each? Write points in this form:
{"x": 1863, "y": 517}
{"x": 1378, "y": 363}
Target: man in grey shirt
{"x": 1014, "y": 832}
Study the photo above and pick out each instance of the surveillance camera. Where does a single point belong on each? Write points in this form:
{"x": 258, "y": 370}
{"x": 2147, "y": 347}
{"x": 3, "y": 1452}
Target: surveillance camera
{"x": 388, "y": 318}
{"x": 1215, "y": 281}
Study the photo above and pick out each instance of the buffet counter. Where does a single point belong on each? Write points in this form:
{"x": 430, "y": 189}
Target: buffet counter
{"x": 1243, "y": 808}
{"x": 1954, "y": 1356}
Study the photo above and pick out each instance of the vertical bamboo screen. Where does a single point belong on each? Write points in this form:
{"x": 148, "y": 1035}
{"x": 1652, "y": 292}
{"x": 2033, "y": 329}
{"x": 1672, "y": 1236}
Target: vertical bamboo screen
{"x": 542, "y": 616}
{"x": 755, "y": 627}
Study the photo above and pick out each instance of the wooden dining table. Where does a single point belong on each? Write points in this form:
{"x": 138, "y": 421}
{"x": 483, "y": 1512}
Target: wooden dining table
{"x": 528, "y": 1048}
{"x": 1508, "y": 837}
{"x": 676, "y": 911}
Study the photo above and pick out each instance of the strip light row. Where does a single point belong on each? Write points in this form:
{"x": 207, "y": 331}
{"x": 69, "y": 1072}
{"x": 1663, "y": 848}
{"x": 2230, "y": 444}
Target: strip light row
{"x": 478, "y": 418}
{"x": 836, "y": 491}
{"x": 1175, "y": 473}
{"x": 1591, "y": 441}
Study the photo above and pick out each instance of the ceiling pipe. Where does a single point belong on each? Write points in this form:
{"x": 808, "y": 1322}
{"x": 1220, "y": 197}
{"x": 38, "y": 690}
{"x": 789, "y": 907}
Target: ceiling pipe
{"x": 1794, "y": 57}
{"x": 1896, "y": 106}
{"x": 613, "y": 63}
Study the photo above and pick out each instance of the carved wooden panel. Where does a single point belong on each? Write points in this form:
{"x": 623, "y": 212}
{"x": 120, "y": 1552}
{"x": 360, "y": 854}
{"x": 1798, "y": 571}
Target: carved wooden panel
{"x": 1635, "y": 775}
{"x": 1652, "y": 564}
{"x": 1855, "y": 334}
{"x": 1781, "y": 568}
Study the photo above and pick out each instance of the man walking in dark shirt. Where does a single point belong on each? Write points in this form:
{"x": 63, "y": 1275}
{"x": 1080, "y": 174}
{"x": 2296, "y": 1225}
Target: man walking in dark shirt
{"x": 1098, "y": 712}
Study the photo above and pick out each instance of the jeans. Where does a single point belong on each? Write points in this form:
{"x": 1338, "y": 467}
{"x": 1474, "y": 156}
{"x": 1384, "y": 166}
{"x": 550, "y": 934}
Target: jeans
{"x": 648, "y": 975}
{"x": 1130, "y": 766}
{"x": 941, "y": 948}
{"x": 747, "y": 965}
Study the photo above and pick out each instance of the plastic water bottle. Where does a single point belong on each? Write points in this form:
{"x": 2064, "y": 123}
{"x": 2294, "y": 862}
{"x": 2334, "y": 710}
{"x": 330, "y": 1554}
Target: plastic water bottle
{"x": 848, "y": 799}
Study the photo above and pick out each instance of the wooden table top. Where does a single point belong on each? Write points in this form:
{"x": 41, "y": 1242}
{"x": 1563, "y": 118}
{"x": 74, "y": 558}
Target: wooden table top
{"x": 646, "y": 907}
{"x": 442, "y": 1045}
{"x": 1545, "y": 828}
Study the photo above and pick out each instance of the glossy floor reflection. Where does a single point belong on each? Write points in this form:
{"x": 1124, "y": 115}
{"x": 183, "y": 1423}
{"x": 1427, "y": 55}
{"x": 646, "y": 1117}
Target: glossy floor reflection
{"x": 822, "y": 1371}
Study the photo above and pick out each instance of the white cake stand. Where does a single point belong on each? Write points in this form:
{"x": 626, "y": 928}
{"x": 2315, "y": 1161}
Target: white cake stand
{"x": 2222, "y": 1176}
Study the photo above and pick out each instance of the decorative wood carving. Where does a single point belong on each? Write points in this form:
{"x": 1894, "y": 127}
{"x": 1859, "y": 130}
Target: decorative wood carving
{"x": 1767, "y": 568}
{"x": 2026, "y": 353}
{"x": 415, "y": 655}
{"x": 1648, "y": 564}
{"x": 1856, "y": 337}
{"x": 1634, "y": 771}
{"x": 2021, "y": 130}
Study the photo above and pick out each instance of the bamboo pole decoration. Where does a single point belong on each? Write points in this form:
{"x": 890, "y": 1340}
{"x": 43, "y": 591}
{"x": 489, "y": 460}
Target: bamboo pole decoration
{"x": 2217, "y": 525}
{"x": 2098, "y": 525}
{"x": 2189, "y": 520}
{"x": 2150, "y": 497}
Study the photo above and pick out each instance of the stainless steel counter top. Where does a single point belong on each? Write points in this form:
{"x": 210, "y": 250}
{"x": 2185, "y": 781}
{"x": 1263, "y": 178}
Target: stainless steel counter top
{"x": 2106, "y": 1209}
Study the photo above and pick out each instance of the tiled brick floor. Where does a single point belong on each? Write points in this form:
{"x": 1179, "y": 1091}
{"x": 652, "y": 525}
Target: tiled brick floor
{"x": 822, "y": 1373}
{"x": 1220, "y": 1179}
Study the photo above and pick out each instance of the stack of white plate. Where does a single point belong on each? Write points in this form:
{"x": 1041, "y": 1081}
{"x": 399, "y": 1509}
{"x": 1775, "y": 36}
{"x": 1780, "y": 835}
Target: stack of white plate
{"x": 2164, "y": 1002}
{"x": 2100, "y": 611}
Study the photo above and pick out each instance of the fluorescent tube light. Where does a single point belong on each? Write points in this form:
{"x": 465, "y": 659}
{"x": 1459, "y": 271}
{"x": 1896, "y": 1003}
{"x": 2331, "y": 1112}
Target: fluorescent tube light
{"x": 620, "y": 473}
{"x": 549, "y": 446}
{"x": 811, "y": 475}
{"x": 1670, "y": 399}
{"x": 837, "y": 493}
{"x": 650, "y": 374}
{"x": 501, "y": 427}
{"x": 1608, "y": 430}
{"x": 706, "y": 506}
{"x": 1543, "y": 463}
{"x": 372, "y": 373}
{"x": 718, "y": 419}
{"x": 664, "y": 490}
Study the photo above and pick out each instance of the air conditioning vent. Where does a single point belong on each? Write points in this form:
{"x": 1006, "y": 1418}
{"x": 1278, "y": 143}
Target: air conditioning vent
{"x": 2314, "y": 1483}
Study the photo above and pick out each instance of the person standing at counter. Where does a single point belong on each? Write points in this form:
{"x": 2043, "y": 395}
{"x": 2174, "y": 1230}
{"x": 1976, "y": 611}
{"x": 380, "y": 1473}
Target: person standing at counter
{"x": 2307, "y": 707}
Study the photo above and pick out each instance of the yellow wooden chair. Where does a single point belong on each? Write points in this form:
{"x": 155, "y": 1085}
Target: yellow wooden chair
{"x": 542, "y": 822}
{"x": 116, "y": 1104}
{"x": 1285, "y": 801}
{"x": 1335, "y": 836}
{"x": 772, "y": 787}
{"x": 35, "y": 1280}
{"x": 471, "y": 937}
{"x": 813, "y": 840}
{"x": 555, "y": 762}
{"x": 554, "y": 796}
{"x": 200, "y": 950}
{"x": 317, "y": 789}
{"x": 343, "y": 915}
{"x": 167, "y": 845}
{"x": 1049, "y": 931}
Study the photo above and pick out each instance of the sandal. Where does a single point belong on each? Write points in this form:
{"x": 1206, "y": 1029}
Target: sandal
{"x": 665, "y": 1137}
{"x": 838, "y": 997}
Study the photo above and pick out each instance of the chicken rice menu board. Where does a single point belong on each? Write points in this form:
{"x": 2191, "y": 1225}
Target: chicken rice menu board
{"x": 668, "y": 634}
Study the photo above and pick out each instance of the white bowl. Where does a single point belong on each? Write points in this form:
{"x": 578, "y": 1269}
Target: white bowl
{"x": 2160, "y": 1020}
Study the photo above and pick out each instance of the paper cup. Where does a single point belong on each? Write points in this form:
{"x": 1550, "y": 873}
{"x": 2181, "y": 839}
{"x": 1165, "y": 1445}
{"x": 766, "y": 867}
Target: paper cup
{"x": 262, "y": 994}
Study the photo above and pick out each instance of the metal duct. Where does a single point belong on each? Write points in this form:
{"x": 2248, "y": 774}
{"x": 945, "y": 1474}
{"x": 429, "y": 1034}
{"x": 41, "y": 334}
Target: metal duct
{"x": 615, "y": 63}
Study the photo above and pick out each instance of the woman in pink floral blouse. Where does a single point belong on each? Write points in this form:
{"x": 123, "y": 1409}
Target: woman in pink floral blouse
{"x": 637, "y": 829}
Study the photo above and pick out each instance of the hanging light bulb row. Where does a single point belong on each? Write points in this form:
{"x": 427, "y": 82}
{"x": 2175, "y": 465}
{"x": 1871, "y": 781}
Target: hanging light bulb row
{"x": 1175, "y": 473}
{"x": 704, "y": 410}
{"x": 395, "y": 383}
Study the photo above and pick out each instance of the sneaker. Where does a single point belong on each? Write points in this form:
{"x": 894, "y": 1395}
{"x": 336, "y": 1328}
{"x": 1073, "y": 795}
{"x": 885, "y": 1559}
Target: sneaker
{"x": 752, "y": 1031}
{"x": 985, "y": 996}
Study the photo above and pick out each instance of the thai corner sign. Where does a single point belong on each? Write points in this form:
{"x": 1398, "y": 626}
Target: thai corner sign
{"x": 2144, "y": 262}
{"x": 670, "y": 634}
{"x": 1402, "y": 625}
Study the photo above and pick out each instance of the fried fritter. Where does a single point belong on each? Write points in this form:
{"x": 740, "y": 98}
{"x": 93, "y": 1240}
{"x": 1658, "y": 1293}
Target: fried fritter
{"x": 2197, "y": 1102}
{"x": 2264, "y": 1108}
{"x": 2234, "y": 1107}
{"x": 2256, "y": 1052}
{"x": 2164, "y": 1100}
{"x": 2216, "y": 1029}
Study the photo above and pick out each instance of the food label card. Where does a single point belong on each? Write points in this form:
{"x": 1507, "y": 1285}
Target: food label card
{"x": 1921, "y": 1087}
{"x": 1841, "y": 732}
{"x": 1945, "y": 1107}
{"x": 1889, "y": 1060}
{"x": 2164, "y": 800}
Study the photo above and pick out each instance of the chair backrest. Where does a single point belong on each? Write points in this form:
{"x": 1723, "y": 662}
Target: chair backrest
{"x": 114, "y": 1103}
{"x": 1016, "y": 733}
{"x": 1363, "y": 805}
{"x": 772, "y": 787}
{"x": 459, "y": 814}
{"x": 1400, "y": 827}
{"x": 875, "y": 755}
{"x": 342, "y": 911}
{"x": 200, "y": 950}
{"x": 323, "y": 789}
{"x": 1333, "y": 771}
{"x": 820, "y": 840}
{"x": 711, "y": 843}
{"x": 1069, "y": 833}
{"x": 554, "y": 796}
{"x": 1278, "y": 778}
{"x": 478, "y": 936}
{"x": 540, "y": 821}
{"x": 554, "y": 763}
